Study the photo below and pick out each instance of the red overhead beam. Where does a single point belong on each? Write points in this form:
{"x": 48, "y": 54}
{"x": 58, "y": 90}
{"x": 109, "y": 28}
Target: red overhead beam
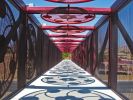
{"x": 70, "y": 48}
{"x": 79, "y": 27}
{"x": 65, "y": 47}
{"x": 67, "y": 36}
{"x": 55, "y": 34}
{"x": 67, "y": 50}
{"x": 67, "y": 44}
{"x": 64, "y": 35}
{"x": 67, "y": 40}
{"x": 71, "y": 45}
{"x": 38, "y": 10}
{"x": 69, "y": 1}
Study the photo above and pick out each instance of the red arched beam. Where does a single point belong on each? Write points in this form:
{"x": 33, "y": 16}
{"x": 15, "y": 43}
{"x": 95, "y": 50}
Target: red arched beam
{"x": 39, "y": 10}
{"x": 69, "y": 1}
{"x": 80, "y": 27}
{"x": 65, "y": 50}
{"x": 56, "y": 15}
{"x": 69, "y": 29}
{"x": 69, "y": 36}
{"x": 69, "y": 51}
{"x": 71, "y": 44}
{"x": 66, "y": 47}
{"x": 67, "y": 40}
{"x": 63, "y": 43}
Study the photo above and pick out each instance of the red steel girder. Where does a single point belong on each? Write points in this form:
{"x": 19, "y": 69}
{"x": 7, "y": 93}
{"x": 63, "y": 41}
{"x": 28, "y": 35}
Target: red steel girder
{"x": 65, "y": 50}
{"x": 69, "y": 36}
{"x": 72, "y": 44}
{"x": 39, "y": 10}
{"x": 69, "y": 49}
{"x": 69, "y": 1}
{"x": 79, "y": 27}
{"x": 67, "y": 40}
{"x": 68, "y": 43}
{"x": 65, "y": 47}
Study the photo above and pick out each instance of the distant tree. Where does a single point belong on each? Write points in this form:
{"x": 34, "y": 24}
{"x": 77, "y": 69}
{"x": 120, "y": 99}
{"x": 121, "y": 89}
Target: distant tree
{"x": 66, "y": 55}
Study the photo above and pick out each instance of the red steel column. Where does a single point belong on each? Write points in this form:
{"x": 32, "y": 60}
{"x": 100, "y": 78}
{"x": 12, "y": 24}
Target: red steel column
{"x": 113, "y": 53}
{"x": 22, "y": 52}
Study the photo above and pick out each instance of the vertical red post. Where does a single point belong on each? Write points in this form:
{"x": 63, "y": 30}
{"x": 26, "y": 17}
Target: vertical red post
{"x": 113, "y": 52}
{"x": 22, "y": 52}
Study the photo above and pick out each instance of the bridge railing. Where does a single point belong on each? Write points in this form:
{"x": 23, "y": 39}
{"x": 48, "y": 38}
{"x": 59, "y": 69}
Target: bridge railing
{"x": 107, "y": 53}
{"x": 25, "y": 50}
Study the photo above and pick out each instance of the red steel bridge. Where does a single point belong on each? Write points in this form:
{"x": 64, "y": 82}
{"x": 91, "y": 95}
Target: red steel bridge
{"x": 66, "y": 50}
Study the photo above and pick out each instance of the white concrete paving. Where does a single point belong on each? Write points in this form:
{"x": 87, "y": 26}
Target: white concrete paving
{"x": 66, "y": 81}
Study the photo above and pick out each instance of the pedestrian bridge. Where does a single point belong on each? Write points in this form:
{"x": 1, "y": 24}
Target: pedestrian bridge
{"x": 66, "y": 81}
{"x": 95, "y": 35}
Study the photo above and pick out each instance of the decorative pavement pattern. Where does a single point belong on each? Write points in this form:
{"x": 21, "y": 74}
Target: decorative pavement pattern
{"x": 66, "y": 81}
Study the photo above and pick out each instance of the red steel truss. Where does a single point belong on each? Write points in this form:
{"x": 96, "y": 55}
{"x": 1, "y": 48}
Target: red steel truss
{"x": 70, "y": 36}
{"x": 67, "y": 15}
{"x": 56, "y": 15}
{"x": 69, "y": 1}
{"x": 67, "y": 40}
{"x": 67, "y": 29}
{"x": 67, "y": 43}
{"x": 79, "y": 27}
{"x": 40, "y": 10}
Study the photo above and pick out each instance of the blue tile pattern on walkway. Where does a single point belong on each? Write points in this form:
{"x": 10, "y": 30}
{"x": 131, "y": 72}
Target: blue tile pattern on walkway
{"x": 66, "y": 81}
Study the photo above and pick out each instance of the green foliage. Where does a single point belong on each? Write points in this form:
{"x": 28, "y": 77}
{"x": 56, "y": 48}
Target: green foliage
{"x": 66, "y": 55}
